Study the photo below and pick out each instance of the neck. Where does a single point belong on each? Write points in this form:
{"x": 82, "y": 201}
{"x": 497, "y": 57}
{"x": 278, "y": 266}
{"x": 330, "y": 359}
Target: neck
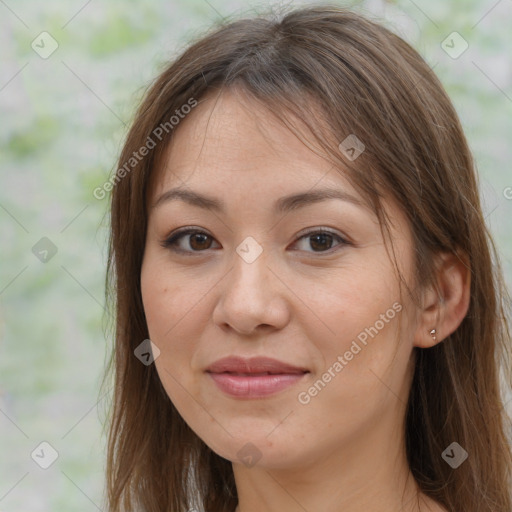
{"x": 366, "y": 474}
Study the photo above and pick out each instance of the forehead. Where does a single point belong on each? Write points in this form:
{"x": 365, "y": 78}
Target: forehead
{"x": 231, "y": 140}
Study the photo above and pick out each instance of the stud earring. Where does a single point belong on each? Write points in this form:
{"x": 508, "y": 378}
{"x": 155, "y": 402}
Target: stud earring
{"x": 433, "y": 334}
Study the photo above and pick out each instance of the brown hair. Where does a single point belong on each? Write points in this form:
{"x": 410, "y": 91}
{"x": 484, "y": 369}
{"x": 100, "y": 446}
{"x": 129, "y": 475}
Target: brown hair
{"x": 323, "y": 63}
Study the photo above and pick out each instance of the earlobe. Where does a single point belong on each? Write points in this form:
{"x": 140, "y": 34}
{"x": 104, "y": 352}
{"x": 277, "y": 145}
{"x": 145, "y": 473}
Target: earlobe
{"x": 444, "y": 306}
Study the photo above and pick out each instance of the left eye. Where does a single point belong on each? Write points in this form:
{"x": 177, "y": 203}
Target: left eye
{"x": 321, "y": 241}
{"x": 198, "y": 241}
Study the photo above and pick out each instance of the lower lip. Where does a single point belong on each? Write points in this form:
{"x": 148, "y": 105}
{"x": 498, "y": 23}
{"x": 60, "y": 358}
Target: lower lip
{"x": 243, "y": 386}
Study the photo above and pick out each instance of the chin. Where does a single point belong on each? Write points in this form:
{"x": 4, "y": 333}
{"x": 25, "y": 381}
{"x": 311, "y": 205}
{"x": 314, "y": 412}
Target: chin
{"x": 254, "y": 449}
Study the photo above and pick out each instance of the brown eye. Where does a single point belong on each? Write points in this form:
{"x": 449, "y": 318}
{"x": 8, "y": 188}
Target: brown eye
{"x": 199, "y": 241}
{"x": 194, "y": 241}
{"x": 191, "y": 240}
{"x": 320, "y": 241}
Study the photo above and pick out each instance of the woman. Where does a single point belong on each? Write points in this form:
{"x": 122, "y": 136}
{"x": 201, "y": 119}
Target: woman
{"x": 296, "y": 227}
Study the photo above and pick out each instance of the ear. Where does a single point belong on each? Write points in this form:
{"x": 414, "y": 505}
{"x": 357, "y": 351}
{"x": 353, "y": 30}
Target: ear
{"x": 445, "y": 305}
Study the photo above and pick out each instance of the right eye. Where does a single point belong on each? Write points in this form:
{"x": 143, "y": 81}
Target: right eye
{"x": 188, "y": 241}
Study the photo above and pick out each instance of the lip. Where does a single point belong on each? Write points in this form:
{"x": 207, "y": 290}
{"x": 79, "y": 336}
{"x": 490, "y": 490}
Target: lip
{"x": 255, "y": 377}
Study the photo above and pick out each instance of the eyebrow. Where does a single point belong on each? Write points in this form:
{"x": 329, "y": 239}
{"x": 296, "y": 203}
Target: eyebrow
{"x": 282, "y": 205}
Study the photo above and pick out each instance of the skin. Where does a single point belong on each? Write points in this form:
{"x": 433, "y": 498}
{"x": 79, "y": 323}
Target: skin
{"x": 299, "y": 302}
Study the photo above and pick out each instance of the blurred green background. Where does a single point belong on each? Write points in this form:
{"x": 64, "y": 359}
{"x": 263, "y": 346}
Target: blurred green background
{"x": 64, "y": 112}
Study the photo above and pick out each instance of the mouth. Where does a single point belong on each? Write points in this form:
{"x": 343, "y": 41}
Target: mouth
{"x": 255, "y": 374}
{"x": 255, "y": 377}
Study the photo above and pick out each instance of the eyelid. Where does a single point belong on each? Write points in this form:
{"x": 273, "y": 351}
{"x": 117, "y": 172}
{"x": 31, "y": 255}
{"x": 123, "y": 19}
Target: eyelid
{"x": 320, "y": 230}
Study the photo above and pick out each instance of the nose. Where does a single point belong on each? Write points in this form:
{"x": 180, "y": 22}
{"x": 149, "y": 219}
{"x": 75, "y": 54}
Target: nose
{"x": 252, "y": 298}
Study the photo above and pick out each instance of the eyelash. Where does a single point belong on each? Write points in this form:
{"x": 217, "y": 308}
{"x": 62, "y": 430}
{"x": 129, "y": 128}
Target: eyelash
{"x": 171, "y": 241}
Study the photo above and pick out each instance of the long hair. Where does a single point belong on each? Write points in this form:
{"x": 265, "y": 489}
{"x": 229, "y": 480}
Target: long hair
{"x": 343, "y": 75}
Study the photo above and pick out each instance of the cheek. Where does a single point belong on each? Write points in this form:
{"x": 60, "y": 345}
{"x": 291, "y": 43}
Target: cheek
{"x": 172, "y": 307}
{"x": 358, "y": 335}
{"x": 158, "y": 305}
{"x": 165, "y": 296}
{"x": 352, "y": 301}
{"x": 162, "y": 309}
{"x": 172, "y": 315}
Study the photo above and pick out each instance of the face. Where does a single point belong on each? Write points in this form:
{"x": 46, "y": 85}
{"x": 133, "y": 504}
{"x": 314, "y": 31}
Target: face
{"x": 283, "y": 271}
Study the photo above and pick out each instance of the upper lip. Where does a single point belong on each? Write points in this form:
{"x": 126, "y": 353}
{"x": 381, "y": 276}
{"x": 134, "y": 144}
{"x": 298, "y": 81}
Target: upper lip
{"x": 234, "y": 364}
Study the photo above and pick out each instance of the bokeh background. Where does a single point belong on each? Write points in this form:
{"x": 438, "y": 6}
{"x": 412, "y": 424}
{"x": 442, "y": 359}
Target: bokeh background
{"x": 71, "y": 75}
